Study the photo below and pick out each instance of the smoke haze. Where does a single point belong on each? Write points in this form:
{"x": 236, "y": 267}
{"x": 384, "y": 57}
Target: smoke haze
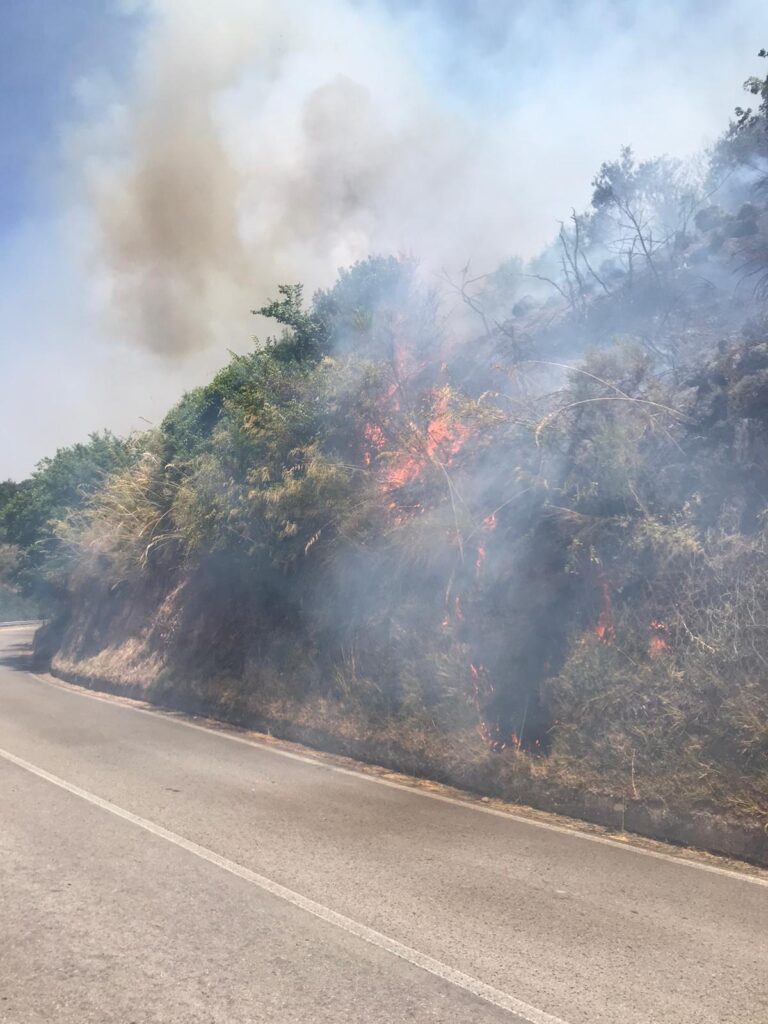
{"x": 244, "y": 144}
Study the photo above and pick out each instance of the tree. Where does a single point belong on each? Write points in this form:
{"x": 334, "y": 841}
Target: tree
{"x": 746, "y": 138}
{"x": 58, "y": 484}
{"x": 8, "y": 490}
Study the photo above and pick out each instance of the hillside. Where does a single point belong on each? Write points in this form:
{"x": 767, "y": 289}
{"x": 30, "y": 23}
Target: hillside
{"x": 505, "y": 530}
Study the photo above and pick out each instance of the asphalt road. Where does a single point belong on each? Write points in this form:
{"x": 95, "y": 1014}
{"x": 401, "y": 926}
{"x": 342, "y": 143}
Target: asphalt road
{"x": 157, "y": 871}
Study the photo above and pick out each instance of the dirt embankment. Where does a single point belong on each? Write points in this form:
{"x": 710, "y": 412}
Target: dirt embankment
{"x": 113, "y": 647}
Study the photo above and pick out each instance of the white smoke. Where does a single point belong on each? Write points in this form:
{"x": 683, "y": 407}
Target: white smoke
{"x": 268, "y": 142}
{"x": 252, "y": 143}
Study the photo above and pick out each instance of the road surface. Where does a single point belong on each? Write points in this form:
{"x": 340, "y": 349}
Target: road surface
{"x": 152, "y": 870}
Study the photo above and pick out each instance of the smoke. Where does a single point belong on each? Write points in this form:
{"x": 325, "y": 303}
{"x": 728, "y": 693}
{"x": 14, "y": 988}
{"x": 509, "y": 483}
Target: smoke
{"x": 244, "y": 143}
{"x": 258, "y": 143}
{"x": 262, "y": 145}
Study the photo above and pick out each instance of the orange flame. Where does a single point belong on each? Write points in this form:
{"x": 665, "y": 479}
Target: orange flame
{"x": 482, "y": 689}
{"x": 442, "y": 440}
{"x": 658, "y": 643}
{"x": 605, "y": 630}
{"x": 446, "y": 436}
{"x": 374, "y": 435}
{"x": 489, "y": 523}
{"x": 480, "y": 561}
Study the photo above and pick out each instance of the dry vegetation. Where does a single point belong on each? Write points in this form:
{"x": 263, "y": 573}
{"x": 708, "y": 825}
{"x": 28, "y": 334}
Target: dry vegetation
{"x": 512, "y": 534}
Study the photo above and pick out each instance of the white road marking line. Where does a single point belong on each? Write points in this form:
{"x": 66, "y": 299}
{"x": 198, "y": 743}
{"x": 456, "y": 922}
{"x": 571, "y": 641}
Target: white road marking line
{"x": 574, "y": 833}
{"x": 478, "y": 988}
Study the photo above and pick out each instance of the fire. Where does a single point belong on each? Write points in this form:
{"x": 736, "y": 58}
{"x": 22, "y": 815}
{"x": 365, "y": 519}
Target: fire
{"x": 446, "y": 435}
{"x": 402, "y": 472}
{"x": 444, "y": 438}
{"x": 374, "y": 435}
{"x": 480, "y": 561}
{"x": 375, "y": 441}
{"x": 489, "y": 524}
{"x": 439, "y": 442}
{"x": 482, "y": 690}
{"x": 658, "y": 643}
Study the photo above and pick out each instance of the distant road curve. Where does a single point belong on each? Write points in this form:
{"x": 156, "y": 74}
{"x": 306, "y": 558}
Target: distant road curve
{"x": 150, "y": 871}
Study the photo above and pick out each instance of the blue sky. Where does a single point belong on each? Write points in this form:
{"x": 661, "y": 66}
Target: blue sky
{"x": 45, "y": 47}
{"x": 502, "y": 110}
